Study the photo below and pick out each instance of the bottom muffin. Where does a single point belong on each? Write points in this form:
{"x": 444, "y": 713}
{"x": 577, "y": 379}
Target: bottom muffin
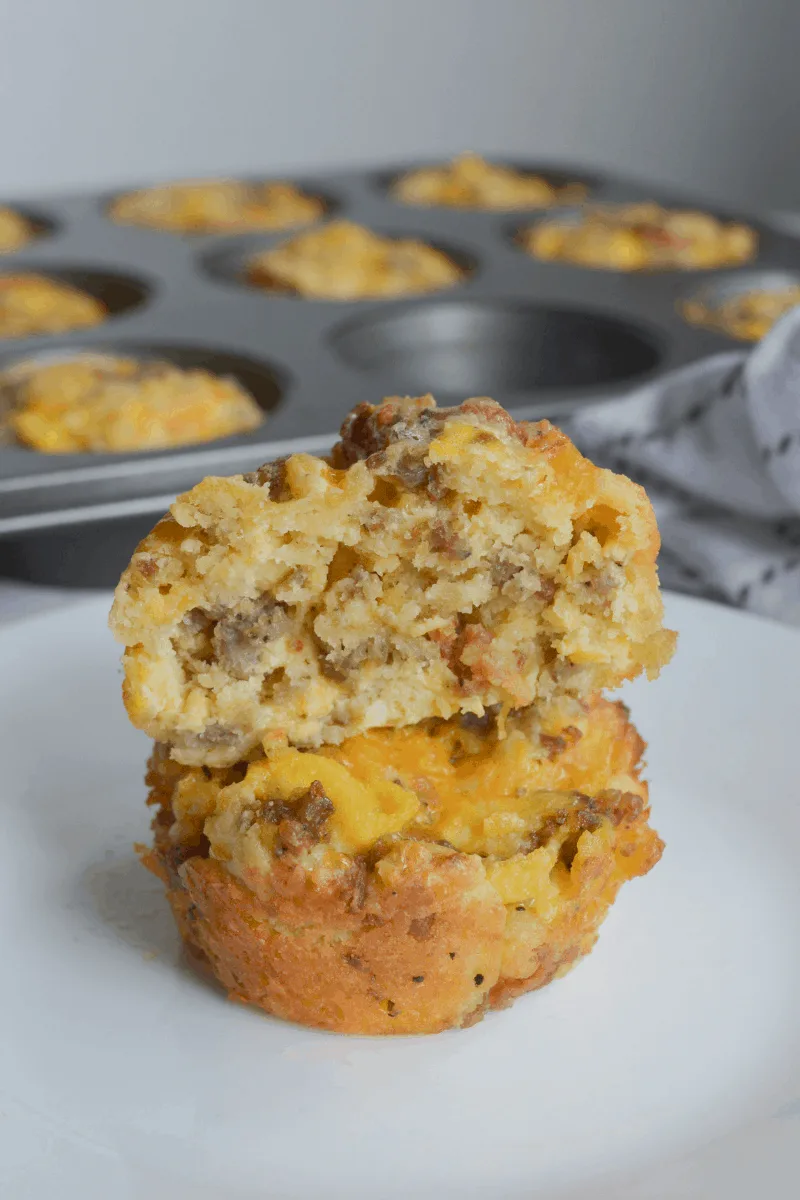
{"x": 407, "y": 880}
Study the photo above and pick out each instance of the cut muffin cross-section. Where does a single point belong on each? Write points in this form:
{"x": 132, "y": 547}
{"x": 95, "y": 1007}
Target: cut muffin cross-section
{"x": 444, "y": 561}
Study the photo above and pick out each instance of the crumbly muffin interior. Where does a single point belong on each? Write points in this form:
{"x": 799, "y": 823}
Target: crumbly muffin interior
{"x": 445, "y": 561}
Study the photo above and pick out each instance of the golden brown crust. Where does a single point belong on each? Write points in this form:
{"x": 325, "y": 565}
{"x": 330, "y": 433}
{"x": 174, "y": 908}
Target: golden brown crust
{"x": 413, "y": 936}
{"x": 383, "y": 968}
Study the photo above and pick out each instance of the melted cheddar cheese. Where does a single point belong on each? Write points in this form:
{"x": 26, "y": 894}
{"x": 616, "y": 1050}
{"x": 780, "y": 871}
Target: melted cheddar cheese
{"x": 472, "y": 791}
{"x": 481, "y": 794}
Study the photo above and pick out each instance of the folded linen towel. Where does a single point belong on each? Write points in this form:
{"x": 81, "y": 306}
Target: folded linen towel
{"x": 717, "y": 445}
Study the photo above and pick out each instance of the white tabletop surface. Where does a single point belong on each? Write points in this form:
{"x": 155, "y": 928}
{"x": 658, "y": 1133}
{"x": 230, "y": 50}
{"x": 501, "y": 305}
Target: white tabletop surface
{"x": 19, "y": 600}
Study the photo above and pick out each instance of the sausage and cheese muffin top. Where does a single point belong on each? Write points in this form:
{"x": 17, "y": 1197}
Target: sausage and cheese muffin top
{"x": 34, "y": 304}
{"x": 469, "y": 181}
{"x": 409, "y": 879}
{"x": 441, "y": 562}
{"x": 99, "y": 403}
{"x": 343, "y": 261}
{"x": 746, "y": 315}
{"x": 640, "y": 237}
{"x": 15, "y": 230}
{"x": 217, "y": 206}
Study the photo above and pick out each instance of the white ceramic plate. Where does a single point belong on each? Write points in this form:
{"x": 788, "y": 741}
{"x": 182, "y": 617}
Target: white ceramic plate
{"x": 666, "y": 1066}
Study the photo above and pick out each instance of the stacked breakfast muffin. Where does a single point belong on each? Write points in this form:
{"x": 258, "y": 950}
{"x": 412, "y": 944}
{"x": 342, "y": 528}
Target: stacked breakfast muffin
{"x": 389, "y": 792}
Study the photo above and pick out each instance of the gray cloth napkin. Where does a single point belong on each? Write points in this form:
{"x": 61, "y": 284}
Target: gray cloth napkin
{"x": 717, "y": 445}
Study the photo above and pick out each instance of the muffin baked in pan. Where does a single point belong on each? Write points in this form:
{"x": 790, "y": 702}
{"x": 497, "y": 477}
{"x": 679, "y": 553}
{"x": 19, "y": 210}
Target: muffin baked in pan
{"x": 96, "y": 403}
{"x": 640, "y": 237}
{"x": 469, "y": 181}
{"x": 746, "y": 313}
{"x": 344, "y": 261}
{"x": 35, "y": 304}
{"x": 217, "y": 206}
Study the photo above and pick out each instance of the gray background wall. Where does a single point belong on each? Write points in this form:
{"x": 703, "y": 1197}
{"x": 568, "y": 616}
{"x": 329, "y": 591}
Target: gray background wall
{"x": 702, "y": 93}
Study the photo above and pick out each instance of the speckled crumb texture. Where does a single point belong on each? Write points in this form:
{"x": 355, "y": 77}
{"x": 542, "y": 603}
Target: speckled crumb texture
{"x": 444, "y": 561}
{"x": 408, "y": 880}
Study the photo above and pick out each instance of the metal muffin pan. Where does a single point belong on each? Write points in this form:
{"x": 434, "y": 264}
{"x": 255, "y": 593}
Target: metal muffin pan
{"x": 541, "y": 337}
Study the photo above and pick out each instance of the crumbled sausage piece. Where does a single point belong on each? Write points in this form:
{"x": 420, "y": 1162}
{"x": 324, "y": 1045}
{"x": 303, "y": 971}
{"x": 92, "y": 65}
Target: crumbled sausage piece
{"x": 557, "y": 743}
{"x": 337, "y": 663}
{"x": 239, "y": 636}
{"x": 502, "y": 571}
{"x": 275, "y": 811}
{"x": 587, "y": 813}
{"x": 546, "y": 591}
{"x": 314, "y": 809}
{"x": 212, "y": 735}
{"x": 446, "y": 541}
{"x": 420, "y": 928}
{"x": 490, "y": 410}
{"x": 272, "y": 476}
{"x": 301, "y": 823}
{"x": 358, "y": 893}
{"x": 372, "y": 921}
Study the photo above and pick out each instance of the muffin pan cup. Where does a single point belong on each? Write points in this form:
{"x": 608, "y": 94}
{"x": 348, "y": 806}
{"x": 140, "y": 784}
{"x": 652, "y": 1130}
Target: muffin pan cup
{"x": 541, "y": 337}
